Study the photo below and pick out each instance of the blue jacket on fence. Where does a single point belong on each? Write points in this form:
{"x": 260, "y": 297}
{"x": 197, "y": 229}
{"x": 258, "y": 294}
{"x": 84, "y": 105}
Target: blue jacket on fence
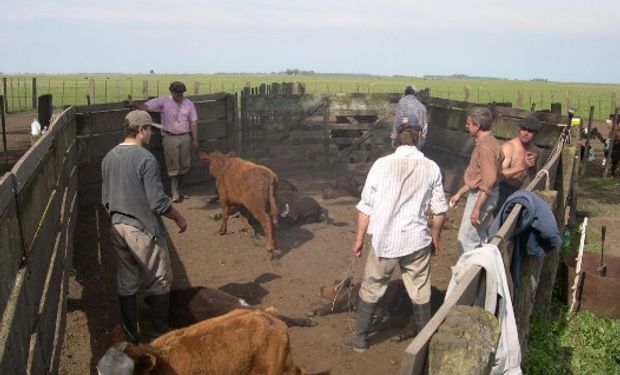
{"x": 536, "y": 232}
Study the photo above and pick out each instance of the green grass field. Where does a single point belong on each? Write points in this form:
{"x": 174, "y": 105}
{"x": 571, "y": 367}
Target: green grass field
{"x": 72, "y": 89}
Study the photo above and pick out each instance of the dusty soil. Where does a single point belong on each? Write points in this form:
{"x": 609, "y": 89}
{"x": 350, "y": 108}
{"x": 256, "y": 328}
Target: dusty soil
{"x": 313, "y": 255}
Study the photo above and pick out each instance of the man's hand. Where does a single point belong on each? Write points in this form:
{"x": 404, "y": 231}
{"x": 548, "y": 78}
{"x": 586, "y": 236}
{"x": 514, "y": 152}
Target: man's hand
{"x": 195, "y": 145}
{"x": 358, "y": 246}
{"x": 530, "y": 159}
{"x": 454, "y": 200}
{"x": 181, "y": 222}
{"x": 475, "y": 217}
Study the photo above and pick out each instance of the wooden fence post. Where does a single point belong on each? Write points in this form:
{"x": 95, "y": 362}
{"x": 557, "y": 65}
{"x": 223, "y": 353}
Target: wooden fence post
{"x": 145, "y": 88}
{"x": 4, "y": 95}
{"x": 326, "y": 132}
{"x": 2, "y": 121}
{"x": 196, "y": 87}
{"x": 91, "y": 91}
{"x": 34, "y": 92}
{"x": 611, "y": 145}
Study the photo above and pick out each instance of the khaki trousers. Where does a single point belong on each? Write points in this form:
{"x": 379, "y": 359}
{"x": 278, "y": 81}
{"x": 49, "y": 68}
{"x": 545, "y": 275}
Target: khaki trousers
{"x": 142, "y": 261}
{"x": 415, "y": 271}
{"x": 177, "y": 153}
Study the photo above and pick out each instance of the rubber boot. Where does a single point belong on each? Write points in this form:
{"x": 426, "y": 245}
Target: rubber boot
{"x": 358, "y": 341}
{"x": 159, "y": 308}
{"x": 174, "y": 189}
{"x": 181, "y": 193}
{"x": 129, "y": 315}
{"x": 421, "y": 314}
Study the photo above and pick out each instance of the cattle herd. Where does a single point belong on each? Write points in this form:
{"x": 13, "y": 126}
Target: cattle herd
{"x": 218, "y": 332}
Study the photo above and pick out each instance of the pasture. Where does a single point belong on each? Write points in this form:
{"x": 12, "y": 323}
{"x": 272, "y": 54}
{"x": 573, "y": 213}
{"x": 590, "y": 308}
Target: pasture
{"x": 74, "y": 88}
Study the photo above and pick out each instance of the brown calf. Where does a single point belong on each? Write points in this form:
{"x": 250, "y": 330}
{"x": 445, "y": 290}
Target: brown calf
{"x": 243, "y": 183}
{"x": 240, "y": 342}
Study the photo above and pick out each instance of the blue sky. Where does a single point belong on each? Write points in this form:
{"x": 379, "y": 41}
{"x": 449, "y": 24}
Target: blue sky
{"x": 561, "y": 40}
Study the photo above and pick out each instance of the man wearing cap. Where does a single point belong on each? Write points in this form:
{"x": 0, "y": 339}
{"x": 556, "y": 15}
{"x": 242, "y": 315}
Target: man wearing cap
{"x": 480, "y": 181}
{"x": 397, "y": 192}
{"x": 410, "y": 107}
{"x": 179, "y": 133}
{"x": 520, "y": 156}
{"x": 134, "y": 197}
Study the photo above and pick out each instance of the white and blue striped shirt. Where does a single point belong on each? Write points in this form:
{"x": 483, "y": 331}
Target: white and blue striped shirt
{"x": 398, "y": 190}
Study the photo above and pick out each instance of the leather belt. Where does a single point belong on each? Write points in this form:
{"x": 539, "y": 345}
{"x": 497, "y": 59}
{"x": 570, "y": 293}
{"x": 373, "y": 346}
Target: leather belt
{"x": 168, "y": 133}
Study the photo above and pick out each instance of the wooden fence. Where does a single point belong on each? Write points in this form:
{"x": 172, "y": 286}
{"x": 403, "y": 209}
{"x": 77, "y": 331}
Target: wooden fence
{"x": 38, "y": 213}
{"x": 100, "y": 128}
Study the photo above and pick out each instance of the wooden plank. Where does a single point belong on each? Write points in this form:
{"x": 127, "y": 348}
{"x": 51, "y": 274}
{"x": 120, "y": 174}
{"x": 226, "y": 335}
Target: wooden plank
{"x": 415, "y": 355}
{"x": 36, "y": 361}
{"x": 211, "y": 109}
{"x": 34, "y": 199}
{"x": 11, "y": 244}
{"x": 363, "y": 126}
{"x": 94, "y": 147}
{"x": 30, "y": 161}
{"x": 103, "y": 122}
{"x": 48, "y": 307}
{"x": 455, "y": 141}
{"x": 439, "y": 117}
{"x": 15, "y": 328}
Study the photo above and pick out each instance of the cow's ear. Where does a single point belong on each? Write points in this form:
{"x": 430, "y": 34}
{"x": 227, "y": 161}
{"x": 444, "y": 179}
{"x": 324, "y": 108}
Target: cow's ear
{"x": 231, "y": 154}
{"x": 146, "y": 363}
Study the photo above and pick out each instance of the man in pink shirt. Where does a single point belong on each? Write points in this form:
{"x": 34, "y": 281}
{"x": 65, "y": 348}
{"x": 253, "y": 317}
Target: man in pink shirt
{"x": 179, "y": 133}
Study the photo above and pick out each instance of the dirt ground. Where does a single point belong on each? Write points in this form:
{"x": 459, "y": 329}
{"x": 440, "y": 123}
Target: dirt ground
{"x": 313, "y": 255}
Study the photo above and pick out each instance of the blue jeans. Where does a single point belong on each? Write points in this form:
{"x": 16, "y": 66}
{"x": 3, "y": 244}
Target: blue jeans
{"x": 471, "y": 237}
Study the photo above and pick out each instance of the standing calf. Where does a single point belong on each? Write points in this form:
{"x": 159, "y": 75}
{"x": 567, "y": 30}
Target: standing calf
{"x": 243, "y": 183}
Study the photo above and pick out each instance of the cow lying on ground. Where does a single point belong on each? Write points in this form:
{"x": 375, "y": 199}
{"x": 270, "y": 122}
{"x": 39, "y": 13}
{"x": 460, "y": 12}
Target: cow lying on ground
{"x": 192, "y": 305}
{"x": 341, "y": 187}
{"x": 248, "y": 185}
{"x": 240, "y": 342}
{"x": 393, "y": 309}
{"x": 298, "y": 208}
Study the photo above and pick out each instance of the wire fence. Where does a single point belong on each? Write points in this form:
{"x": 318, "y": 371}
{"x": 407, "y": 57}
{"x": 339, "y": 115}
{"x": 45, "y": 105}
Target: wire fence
{"x": 21, "y": 92}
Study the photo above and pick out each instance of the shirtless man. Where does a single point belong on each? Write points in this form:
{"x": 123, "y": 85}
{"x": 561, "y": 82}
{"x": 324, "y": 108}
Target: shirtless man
{"x": 520, "y": 156}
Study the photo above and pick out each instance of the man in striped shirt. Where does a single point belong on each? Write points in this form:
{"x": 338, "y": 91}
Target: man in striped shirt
{"x": 397, "y": 193}
{"x": 481, "y": 181}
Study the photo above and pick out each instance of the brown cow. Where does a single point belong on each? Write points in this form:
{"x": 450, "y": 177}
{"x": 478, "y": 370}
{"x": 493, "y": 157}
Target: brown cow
{"x": 246, "y": 184}
{"x": 191, "y": 305}
{"x": 341, "y": 187}
{"x": 240, "y": 342}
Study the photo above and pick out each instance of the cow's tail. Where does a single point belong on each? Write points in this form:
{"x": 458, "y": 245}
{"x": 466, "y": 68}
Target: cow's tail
{"x": 273, "y": 205}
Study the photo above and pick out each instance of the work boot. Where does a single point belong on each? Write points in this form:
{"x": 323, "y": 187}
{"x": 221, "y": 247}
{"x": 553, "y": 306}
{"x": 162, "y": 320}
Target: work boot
{"x": 159, "y": 308}
{"x": 129, "y": 316}
{"x": 181, "y": 193}
{"x": 364, "y": 320}
{"x": 174, "y": 189}
{"x": 420, "y": 316}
